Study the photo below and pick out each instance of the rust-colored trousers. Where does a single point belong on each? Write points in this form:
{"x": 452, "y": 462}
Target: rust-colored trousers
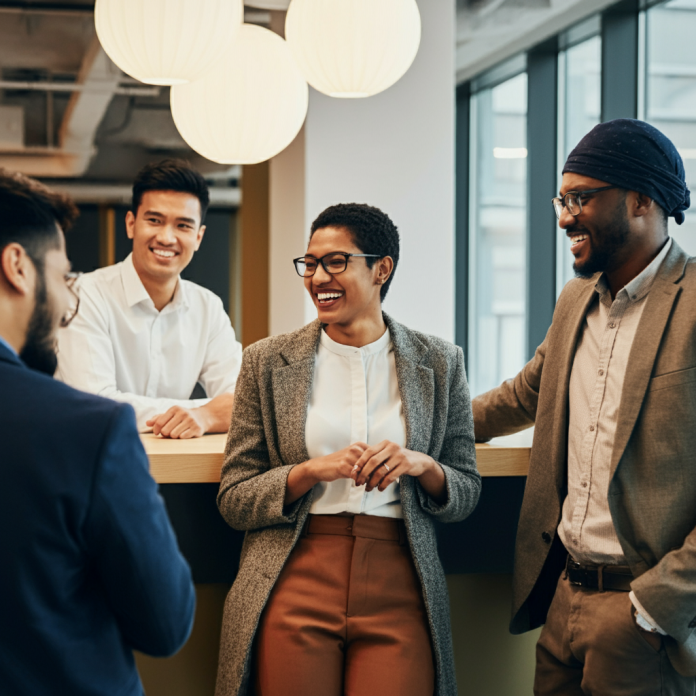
{"x": 346, "y": 615}
{"x": 591, "y": 646}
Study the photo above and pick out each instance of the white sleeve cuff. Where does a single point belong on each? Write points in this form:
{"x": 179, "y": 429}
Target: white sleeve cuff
{"x": 643, "y": 619}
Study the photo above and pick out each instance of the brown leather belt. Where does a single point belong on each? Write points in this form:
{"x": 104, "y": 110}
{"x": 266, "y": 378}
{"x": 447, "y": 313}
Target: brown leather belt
{"x": 616, "y": 578}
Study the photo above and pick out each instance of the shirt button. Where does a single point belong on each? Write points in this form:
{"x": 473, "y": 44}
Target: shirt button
{"x": 601, "y": 372}
{"x": 584, "y": 484}
{"x": 592, "y": 428}
{"x": 612, "y": 325}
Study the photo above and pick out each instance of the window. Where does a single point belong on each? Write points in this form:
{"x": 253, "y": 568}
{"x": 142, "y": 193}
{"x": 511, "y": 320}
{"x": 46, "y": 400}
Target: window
{"x": 670, "y": 92}
{"x": 579, "y": 101}
{"x": 497, "y": 280}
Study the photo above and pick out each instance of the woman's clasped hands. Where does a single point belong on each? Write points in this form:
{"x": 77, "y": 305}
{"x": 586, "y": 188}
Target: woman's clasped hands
{"x": 375, "y": 466}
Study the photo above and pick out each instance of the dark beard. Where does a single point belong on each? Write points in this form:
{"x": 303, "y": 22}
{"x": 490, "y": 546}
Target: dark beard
{"x": 39, "y": 352}
{"x": 606, "y": 245}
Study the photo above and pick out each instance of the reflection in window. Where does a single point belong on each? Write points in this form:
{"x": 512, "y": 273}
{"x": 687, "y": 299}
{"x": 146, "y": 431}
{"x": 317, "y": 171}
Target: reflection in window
{"x": 498, "y": 233}
{"x": 580, "y": 95}
{"x": 670, "y": 89}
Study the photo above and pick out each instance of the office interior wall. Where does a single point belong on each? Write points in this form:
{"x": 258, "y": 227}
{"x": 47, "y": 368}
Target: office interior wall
{"x": 396, "y": 151}
{"x": 287, "y": 237}
{"x": 254, "y": 220}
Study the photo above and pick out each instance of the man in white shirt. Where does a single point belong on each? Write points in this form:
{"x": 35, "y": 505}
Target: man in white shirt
{"x": 144, "y": 335}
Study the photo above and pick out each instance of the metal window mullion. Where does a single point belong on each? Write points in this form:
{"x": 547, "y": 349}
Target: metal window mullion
{"x": 620, "y": 61}
{"x": 461, "y": 308}
{"x": 542, "y": 114}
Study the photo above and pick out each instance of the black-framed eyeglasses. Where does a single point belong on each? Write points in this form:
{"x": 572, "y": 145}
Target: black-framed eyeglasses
{"x": 333, "y": 263}
{"x": 70, "y": 280}
{"x": 573, "y": 200}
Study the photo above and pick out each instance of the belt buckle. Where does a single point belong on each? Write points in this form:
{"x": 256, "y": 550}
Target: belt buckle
{"x": 576, "y": 574}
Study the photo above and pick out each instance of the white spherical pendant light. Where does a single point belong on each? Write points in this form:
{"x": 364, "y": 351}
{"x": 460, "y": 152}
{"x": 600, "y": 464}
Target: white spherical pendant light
{"x": 249, "y": 106}
{"x": 166, "y": 42}
{"x": 353, "y": 48}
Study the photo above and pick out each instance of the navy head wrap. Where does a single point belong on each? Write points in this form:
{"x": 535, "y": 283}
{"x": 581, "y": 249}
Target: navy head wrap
{"x": 636, "y": 156}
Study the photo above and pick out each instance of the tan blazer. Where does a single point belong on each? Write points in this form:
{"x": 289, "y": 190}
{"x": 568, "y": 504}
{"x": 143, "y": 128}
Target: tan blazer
{"x": 267, "y": 438}
{"x": 652, "y": 493}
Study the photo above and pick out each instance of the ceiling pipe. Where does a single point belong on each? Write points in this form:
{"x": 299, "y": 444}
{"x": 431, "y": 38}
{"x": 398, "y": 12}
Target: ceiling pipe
{"x": 122, "y": 194}
{"x": 77, "y": 87}
{"x": 99, "y": 80}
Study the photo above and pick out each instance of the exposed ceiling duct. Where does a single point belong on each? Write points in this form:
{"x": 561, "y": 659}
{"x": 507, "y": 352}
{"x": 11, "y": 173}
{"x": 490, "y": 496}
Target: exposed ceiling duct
{"x": 98, "y": 80}
{"x": 66, "y": 112}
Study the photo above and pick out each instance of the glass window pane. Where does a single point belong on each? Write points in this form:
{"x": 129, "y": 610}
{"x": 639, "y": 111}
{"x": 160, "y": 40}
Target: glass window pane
{"x": 671, "y": 93}
{"x": 498, "y": 234}
{"x": 580, "y": 98}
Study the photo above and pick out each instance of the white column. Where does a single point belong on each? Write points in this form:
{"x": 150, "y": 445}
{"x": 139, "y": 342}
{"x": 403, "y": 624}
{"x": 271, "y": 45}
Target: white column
{"x": 394, "y": 151}
{"x": 288, "y": 237}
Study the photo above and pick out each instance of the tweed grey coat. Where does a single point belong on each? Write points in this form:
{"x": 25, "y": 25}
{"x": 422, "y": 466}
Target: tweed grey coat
{"x": 267, "y": 438}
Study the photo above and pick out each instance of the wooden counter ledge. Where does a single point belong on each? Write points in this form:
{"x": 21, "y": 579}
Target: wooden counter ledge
{"x": 200, "y": 460}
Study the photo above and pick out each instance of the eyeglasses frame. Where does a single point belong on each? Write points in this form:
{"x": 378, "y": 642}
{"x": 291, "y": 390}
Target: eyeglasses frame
{"x": 562, "y": 200}
{"x": 323, "y": 265}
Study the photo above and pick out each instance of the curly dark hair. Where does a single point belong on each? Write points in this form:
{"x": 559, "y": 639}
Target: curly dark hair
{"x": 171, "y": 175}
{"x": 372, "y": 230}
{"x": 29, "y": 213}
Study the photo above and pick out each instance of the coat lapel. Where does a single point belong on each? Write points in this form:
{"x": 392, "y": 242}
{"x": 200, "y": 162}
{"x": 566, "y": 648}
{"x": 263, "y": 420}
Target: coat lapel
{"x": 569, "y": 332}
{"x": 416, "y": 386}
{"x": 641, "y": 359}
{"x": 292, "y": 386}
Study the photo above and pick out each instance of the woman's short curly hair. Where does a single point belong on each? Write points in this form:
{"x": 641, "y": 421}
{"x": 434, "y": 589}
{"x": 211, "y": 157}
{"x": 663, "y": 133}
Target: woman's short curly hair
{"x": 372, "y": 230}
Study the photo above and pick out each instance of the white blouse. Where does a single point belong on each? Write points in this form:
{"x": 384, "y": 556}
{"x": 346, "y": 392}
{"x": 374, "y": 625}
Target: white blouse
{"x": 355, "y": 398}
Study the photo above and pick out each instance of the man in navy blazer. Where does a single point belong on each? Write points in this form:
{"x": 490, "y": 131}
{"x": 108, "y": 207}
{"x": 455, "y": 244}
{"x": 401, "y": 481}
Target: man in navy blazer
{"x": 90, "y": 569}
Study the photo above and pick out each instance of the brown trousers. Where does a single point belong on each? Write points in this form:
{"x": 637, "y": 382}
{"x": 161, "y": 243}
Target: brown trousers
{"x": 591, "y": 646}
{"x": 346, "y": 615}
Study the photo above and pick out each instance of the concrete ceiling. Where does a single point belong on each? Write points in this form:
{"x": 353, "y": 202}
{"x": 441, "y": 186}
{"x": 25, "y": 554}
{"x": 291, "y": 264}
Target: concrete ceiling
{"x": 66, "y": 112}
{"x": 490, "y": 31}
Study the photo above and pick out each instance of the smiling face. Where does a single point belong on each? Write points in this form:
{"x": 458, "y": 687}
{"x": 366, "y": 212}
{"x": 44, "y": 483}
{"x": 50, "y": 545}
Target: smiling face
{"x": 166, "y": 231}
{"x": 349, "y": 296}
{"x": 600, "y": 235}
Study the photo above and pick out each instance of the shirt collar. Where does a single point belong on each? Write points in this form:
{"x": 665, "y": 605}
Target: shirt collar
{"x": 639, "y": 287}
{"x": 136, "y": 293}
{"x": 3, "y": 342}
{"x": 370, "y": 349}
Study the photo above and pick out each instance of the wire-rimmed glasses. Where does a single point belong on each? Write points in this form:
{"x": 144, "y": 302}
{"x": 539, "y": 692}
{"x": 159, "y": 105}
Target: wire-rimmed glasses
{"x": 70, "y": 280}
{"x": 333, "y": 263}
{"x": 573, "y": 200}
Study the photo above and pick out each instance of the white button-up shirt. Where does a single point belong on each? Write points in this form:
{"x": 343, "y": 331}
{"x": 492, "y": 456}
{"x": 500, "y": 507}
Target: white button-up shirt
{"x": 596, "y": 383}
{"x": 355, "y": 398}
{"x": 119, "y": 346}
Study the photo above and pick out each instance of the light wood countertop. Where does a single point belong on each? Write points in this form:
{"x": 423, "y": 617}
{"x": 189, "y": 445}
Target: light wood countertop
{"x": 200, "y": 460}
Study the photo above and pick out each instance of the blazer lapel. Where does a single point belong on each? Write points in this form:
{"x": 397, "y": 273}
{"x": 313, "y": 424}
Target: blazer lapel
{"x": 292, "y": 386}
{"x": 641, "y": 359}
{"x": 568, "y": 333}
{"x": 416, "y": 386}
{"x": 570, "y": 329}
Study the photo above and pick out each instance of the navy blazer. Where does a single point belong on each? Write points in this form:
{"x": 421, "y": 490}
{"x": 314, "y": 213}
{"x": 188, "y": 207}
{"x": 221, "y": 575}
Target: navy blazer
{"x": 90, "y": 569}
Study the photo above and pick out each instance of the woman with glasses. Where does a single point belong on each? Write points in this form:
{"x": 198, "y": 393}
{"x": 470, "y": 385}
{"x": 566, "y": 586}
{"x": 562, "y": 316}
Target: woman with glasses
{"x": 348, "y": 439}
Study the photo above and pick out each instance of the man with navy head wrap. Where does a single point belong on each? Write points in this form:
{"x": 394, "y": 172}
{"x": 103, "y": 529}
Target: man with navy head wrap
{"x": 606, "y": 544}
